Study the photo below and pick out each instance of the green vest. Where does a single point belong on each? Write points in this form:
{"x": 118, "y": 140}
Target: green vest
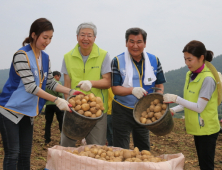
{"x": 209, "y": 114}
{"x": 91, "y": 70}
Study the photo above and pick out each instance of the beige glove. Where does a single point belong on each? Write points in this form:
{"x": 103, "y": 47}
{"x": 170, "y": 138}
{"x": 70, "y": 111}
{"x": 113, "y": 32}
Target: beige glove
{"x": 169, "y": 98}
{"x": 139, "y": 92}
{"x": 62, "y": 104}
{"x": 85, "y": 85}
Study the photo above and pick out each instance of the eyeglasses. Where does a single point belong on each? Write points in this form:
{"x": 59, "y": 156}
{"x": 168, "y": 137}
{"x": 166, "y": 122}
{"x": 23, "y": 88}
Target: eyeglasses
{"x": 85, "y": 35}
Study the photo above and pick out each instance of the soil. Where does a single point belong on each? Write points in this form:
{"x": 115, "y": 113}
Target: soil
{"x": 176, "y": 142}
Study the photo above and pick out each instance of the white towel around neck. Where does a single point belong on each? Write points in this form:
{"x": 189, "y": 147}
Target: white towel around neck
{"x": 149, "y": 76}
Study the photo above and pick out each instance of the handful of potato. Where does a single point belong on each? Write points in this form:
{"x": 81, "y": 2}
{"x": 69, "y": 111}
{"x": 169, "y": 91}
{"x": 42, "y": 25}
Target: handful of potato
{"x": 108, "y": 154}
{"x": 154, "y": 112}
{"x": 87, "y": 105}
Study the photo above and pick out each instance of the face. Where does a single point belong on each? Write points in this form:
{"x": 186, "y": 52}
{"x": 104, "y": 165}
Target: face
{"x": 86, "y": 38}
{"x": 57, "y": 77}
{"x": 192, "y": 62}
{"x": 43, "y": 40}
{"x": 135, "y": 45}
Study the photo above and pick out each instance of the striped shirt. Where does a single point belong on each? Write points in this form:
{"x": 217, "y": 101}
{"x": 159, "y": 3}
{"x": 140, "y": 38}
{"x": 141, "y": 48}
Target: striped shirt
{"x": 22, "y": 68}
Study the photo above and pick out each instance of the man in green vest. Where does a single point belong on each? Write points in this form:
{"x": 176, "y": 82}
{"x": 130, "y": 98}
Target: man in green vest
{"x": 89, "y": 67}
{"x": 51, "y": 108}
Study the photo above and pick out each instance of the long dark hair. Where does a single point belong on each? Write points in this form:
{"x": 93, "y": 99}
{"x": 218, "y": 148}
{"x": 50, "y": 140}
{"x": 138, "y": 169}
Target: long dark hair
{"x": 38, "y": 26}
{"x": 197, "y": 48}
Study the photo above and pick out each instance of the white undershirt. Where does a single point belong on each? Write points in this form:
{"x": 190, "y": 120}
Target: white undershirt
{"x": 40, "y": 61}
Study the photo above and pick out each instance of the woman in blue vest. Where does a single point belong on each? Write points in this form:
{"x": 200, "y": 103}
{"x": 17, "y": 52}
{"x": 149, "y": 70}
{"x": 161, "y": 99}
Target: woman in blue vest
{"x": 201, "y": 98}
{"x": 23, "y": 96}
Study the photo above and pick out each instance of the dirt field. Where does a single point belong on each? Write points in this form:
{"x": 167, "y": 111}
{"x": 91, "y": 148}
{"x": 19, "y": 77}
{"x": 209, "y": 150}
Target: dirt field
{"x": 176, "y": 142}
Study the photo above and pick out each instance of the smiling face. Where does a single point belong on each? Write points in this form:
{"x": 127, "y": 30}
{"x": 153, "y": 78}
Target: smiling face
{"x": 192, "y": 62}
{"x": 43, "y": 40}
{"x": 135, "y": 45}
{"x": 86, "y": 38}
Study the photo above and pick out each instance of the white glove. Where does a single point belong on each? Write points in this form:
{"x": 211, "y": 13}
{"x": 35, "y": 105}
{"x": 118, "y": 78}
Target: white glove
{"x": 62, "y": 104}
{"x": 85, "y": 85}
{"x": 169, "y": 98}
{"x": 172, "y": 112}
{"x": 139, "y": 92}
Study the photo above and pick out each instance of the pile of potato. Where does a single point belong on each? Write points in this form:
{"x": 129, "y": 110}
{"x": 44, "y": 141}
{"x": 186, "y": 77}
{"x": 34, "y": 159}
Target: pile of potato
{"x": 154, "y": 112}
{"x": 107, "y": 154}
{"x": 87, "y": 105}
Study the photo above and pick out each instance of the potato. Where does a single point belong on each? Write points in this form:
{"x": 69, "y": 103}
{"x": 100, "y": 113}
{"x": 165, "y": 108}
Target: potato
{"x": 86, "y": 148}
{"x": 150, "y": 114}
{"x": 93, "y": 116}
{"x": 83, "y": 101}
{"x": 117, "y": 153}
{"x": 72, "y": 102}
{"x": 153, "y": 119}
{"x": 156, "y": 101}
{"x": 110, "y": 153}
{"x": 159, "y": 104}
{"x": 98, "y": 106}
{"x": 92, "y": 98}
{"x": 86, "y": 98}
{"x": 78, "y": 102}
{"x": 98, "y": 113}
{"x": 103, "y": 155}
{"x": 98, "y": 100}
{"x": 78, "y": 107}
{"x": 163, "y": 111}
{"x": 102, "y": 108}
{"x": 148, "y": 110}
{"x": 143, "y": 120}
{"x": 78, "y": 97}
{"x": 80, "y": 112}
{"x": 151, "y": 103}
{"x": 145, "y": 152}
{"x": 144, "y": 113}
{"x": 164, "y": 106}
{"x": 148, "y": 121}
{"x": 152, "y": 107}
{"x": 157, "y": 109}
{"x": 126, "y": 154}
{"x": 158, "y": 115}
{"x": 93, "y": 110}
{"x": 85, "y": 107}
{"x": 92, "y": 155}
{"x": 92, "y": 104}
{"x": 88, "y": 114}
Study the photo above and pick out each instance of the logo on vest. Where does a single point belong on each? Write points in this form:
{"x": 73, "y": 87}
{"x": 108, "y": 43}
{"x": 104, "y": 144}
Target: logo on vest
{"x": 191, "y": 92}
{"x": 45, "y": 74}
{"x": 36, "y": 73}
{"x": 95, "y": 67}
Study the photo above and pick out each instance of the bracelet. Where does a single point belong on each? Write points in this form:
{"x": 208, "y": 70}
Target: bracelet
{"x": 55, "y": 99}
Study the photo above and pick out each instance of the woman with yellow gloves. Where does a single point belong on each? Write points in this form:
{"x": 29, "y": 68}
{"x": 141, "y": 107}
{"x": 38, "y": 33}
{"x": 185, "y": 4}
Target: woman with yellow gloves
{"x": 202, "y": 95}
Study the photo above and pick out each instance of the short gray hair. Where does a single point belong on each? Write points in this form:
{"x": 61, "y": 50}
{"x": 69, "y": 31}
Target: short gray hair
{"x": 87, "y": 25}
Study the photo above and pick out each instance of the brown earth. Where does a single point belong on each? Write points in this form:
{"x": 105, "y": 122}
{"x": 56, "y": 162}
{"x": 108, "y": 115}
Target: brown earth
{"x": 176, "y": 142}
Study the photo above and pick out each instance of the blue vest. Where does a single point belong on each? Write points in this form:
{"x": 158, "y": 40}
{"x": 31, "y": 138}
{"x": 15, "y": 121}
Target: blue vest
{"x": 130, "y": 100}
{"x": 14, "y": 96}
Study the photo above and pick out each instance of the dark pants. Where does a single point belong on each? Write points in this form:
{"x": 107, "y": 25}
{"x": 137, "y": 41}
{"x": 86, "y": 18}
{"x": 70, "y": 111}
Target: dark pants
{"x": 49, "y": 114}
{"x": 109, "y": 134}
{"x": 17, "y": 143}
{"x": 205, "y": 146}
{"x": 123, "y": 125}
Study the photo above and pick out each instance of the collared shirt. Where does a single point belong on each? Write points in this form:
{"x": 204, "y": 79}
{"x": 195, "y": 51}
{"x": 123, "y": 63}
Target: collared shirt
{"x": 117, "y": 79}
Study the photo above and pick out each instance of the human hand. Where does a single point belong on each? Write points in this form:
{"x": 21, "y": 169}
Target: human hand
{"x": 169, "y": 98}
{"x": 172, "y": 112}
{"x": 85, "y": 85}
{"x": 139, "y": 92}
{"x": 62, "y": 104}
{"x": 75, "y": 92}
